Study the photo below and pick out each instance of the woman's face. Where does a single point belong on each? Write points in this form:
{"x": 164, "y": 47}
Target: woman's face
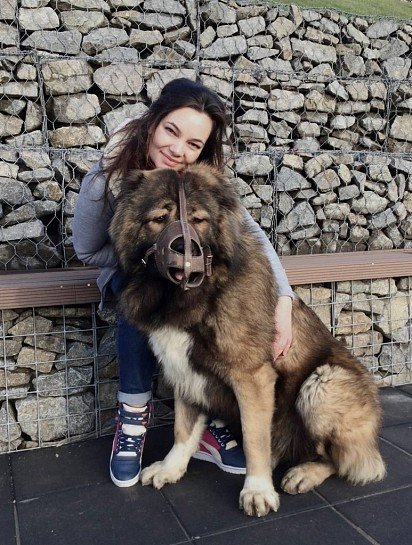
{"x": 179, "y": 138}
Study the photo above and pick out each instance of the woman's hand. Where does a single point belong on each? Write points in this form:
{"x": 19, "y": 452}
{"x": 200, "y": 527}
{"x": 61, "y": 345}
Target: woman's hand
{"x": 283, "y": 324}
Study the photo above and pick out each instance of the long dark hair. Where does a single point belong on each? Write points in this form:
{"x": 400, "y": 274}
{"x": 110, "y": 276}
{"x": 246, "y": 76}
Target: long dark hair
{"x": 132, "y": 150}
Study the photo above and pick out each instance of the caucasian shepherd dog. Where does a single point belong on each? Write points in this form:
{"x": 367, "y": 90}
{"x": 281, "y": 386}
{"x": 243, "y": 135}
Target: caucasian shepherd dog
{"x": 317, "y": 406}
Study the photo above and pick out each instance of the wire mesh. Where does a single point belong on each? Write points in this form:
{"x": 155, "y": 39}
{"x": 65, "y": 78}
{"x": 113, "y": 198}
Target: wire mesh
{"x": 319, "y": 149}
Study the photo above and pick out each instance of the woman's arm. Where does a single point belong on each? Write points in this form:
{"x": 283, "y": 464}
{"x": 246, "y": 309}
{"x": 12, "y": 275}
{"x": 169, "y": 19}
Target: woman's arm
{"x": 278, "y": 270}
{"x": 91, "y": 222}
{"x": 283, "y": 312}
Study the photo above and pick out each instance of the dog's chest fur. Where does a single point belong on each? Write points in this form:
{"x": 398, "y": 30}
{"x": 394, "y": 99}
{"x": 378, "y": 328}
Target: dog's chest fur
{"x": 172, "y": 348}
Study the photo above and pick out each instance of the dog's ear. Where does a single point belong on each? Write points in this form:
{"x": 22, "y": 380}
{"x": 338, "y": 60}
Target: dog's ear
{"x": 130, "y": 183}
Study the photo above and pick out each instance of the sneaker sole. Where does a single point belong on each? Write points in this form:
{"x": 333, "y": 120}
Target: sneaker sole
{"x": 124, "y": 484}
{"x": 228, "y": 469}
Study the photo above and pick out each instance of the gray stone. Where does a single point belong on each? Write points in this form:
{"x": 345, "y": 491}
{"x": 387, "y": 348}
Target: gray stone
{"x": 326, "y": 180}
{"x": 31, "y": 229}
{"x": 352, "y": 107}
{"x": 129, "y": 111}
{"x": 37, "y": 359}
{"x": 224, "y": 31}
{"x": 20, "y": 89}
{"x": 66, "y": 382}
{"x": 336, "y": 211}
{"x": 8, "y": 10}
{"x": 13, "y": 192}
{"x": 342, "y": 122}
{"x": 118, "y": 54}
{"x": 401, "y": 128}
{"x": 357, "y": 35}
{"x": 49, "y": 190}
{"x": 10, "y": 430}
{"x": 10, "y": 125}
{"x": 348, "y": 192}
{"x": 38, "y": 19}
{"x": 319, "y": 102}
{"x": 50, "y": 343}
{"x": 290, "y": 180}
{"x": 252, "y": 26}
{"x": 30, "y": 325}
{"x": 317, "y": 164}
{"x": 67, "y": 42}
{"x": 67, "y": 76}
{"x": 154, "y": 21}
{"x": 253, "y": 165}
{"x": 87, "y": 5}
{"x": 307, "y": 129}
{"x": 81, "y": 412}
{"x": 144, "y": 38}
{"x": 373, "y": 122}
{"x": 20, "y": 377}
{"x": 207, "y": 37}
{"x": 104, "y": 38}
{"x": 393, "y": 357}
{"x": 314, "y": 52}
{"x": 12, "y": 107}
{"x": 76, "y": 108}
{"x": 66, "y": 137}
{"x": 9, "y": 35}
{"x": 281, "y": 28}
{"x": 382, "y": 28}
{"x": 119, "y": 79}
{"x": 379, "y": 241}
{"x": 223, "y": 48}
{"x": 280, "y": 100}
{"x": 44, "y": 418}
{"x": 302, "y": 215}
{"x": 219, "y": 13}
{"x": 394, "y": 48}
{"x": 353, "y": 65}
{"x": 34, "y": 117}
{"x": 83, "y": 21}
{"x": 397, "y": 68}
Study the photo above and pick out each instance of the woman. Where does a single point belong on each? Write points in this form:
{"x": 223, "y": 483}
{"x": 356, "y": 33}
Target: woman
{"x": 186, "y": 124}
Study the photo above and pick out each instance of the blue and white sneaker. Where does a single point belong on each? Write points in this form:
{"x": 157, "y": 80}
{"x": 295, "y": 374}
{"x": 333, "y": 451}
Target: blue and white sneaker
{"x": 128, "y": 442}
{"x": 218, "y": 446}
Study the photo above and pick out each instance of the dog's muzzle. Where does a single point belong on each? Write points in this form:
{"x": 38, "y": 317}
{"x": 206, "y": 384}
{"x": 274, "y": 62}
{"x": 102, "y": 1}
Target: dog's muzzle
{"x": 177, "y": 252}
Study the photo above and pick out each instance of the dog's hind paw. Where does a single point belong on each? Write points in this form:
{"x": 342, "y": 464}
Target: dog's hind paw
{"x": 258, "y": 497}
{"x": 159, "y": 474}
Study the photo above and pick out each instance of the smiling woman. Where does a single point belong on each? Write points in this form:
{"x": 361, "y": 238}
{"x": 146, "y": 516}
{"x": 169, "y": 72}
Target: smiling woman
{"x": 185, "y": 125}
{"x": 179, "y": 138}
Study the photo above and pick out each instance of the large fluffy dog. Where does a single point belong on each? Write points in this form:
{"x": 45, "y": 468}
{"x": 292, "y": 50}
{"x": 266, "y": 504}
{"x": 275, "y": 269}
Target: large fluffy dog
{"x": 316, "y": 406}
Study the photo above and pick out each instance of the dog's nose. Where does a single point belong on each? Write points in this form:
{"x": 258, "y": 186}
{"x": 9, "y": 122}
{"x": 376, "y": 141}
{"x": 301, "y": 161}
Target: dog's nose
{"x": 178, "y": 245}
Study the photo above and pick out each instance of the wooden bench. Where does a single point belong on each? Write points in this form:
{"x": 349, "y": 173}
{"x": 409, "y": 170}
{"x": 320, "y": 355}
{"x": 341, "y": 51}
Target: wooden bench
{"x": 77, "y": 285}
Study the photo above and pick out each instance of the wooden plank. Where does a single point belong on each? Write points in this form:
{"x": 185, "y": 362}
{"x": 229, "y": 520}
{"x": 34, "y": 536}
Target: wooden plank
{"x": 74, "y": 286}
{"x": 321, "y": 268}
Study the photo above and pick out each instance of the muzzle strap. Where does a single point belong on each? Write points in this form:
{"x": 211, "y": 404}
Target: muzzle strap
{"x": 187, "y": 264}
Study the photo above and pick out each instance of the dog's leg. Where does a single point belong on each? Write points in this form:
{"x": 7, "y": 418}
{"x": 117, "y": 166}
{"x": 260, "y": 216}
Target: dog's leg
{"x": 189, "y": 426}
{"x": 305, "y": 477}
{"x": 342, "y": 416}
{"x": 255, "y": 395}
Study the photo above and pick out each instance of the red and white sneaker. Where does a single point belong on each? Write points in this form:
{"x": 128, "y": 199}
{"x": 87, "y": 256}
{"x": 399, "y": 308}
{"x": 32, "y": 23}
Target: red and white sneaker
{"x": 219, "y": 446}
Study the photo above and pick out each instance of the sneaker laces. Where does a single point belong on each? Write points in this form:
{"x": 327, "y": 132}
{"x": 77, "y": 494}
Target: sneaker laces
{"x": 132, "y": 427}
{"x": 222, "y": 434}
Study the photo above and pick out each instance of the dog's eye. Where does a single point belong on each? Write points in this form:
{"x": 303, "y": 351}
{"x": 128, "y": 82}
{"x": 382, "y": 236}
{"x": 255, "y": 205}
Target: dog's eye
{"x": 198, "y": 220}
{"x": 160, "y": 219}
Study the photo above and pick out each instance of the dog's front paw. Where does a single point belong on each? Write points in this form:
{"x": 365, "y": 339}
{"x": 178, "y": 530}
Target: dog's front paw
{"x": 159, "y": 474}
{"x": 258, "y": 497}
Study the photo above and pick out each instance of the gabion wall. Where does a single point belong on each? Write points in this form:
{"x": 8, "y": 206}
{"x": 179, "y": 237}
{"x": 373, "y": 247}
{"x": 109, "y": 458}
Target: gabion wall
{"x": 320, "y": 111}
{"x": 319, "y": 103}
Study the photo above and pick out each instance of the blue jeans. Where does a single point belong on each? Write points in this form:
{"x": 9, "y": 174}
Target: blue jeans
{"x": 137, "y": 362}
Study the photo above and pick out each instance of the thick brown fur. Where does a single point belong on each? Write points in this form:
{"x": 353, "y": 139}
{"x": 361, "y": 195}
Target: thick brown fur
{"x": 317, "y": 406}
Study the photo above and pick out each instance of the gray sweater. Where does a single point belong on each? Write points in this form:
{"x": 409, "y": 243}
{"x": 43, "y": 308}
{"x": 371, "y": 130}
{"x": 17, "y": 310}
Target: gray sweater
{"x": 91, "y": 233}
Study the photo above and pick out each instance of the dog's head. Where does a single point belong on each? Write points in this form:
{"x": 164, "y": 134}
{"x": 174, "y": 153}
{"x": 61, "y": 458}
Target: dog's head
{"x": 148, "y": 213}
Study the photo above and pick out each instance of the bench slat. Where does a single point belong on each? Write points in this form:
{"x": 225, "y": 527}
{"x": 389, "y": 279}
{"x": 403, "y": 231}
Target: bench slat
{"x": 40, "y": 288}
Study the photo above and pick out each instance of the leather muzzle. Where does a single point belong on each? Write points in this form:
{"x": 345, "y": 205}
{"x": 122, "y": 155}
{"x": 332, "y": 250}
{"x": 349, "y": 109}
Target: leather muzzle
{"x": 178, "y": 253}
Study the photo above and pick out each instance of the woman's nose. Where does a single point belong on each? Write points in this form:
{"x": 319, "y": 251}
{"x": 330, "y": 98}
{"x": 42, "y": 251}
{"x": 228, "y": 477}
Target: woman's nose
{"x": 177, "y": 148}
